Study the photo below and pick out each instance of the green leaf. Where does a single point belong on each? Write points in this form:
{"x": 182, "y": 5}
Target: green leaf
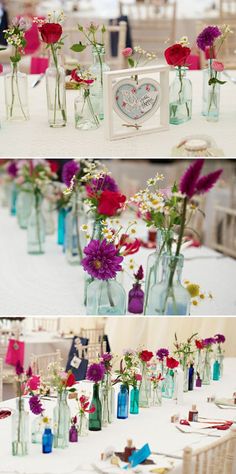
{"x": 221, "y": 82}
{"x": 72, "y": 390}
{"x": 78, "y": 48}
{"x": 131, "y": 62}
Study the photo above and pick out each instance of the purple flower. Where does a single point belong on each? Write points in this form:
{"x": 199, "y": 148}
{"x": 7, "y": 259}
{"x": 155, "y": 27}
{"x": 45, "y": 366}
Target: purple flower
{"x": 103, "y": 183}
{"x": 207, "y": 37}
{"x": 191, "y": 183}
{"x": 106, "y": 357}
{"x": 35, "y": 405}
{"x": 205, "y": 183}
{"x": 162, "y": 353}
{"x": 95, "y": 372}
{"x": 220, "y": 338}
{"x": 140, "y": 274}
{"x": 29, "y": 372}
{"x": 12, "y": 169}
{"x": 208, "y": 341}
{"x": 69, "y": 170}
{"x": 19, "y": 368}
{"x": 101, "y": 261}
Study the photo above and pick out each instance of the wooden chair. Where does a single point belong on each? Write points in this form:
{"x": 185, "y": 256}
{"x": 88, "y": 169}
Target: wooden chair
{"x": 91, "y": 352}
{"x": 73, "y": 35}
{"x": 94, "y": 335}
{"x": 40, "y": 363}
{"x": 227, "y": 53}
{"x": 224, "y": 231}
{"x": 46, "y": 324}
{"x": 1, "y": 378}
{"x": 217, "y": 457}
{"x": 227, "y": 8}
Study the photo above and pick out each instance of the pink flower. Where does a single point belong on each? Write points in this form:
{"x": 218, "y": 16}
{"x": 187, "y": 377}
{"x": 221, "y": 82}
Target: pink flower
{"x": 138, "y": 377}
{"x": 218, "y": 66}
{"x": 1, "y": 68}
{"x": 127, "y": 52}
{"x": 34, "y": 382}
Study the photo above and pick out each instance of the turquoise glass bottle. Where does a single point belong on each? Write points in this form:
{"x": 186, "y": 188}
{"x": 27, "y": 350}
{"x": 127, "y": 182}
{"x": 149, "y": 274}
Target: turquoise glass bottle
{"x": 95, "y": 419}
{"x": 61, "y": 222}
{"x": 123, "y": 403}
{"x": 14, "y": 193}
{"x": 134, "y": 401}
{"x": 216, "y": 370}
{"x": 168, "y": 384}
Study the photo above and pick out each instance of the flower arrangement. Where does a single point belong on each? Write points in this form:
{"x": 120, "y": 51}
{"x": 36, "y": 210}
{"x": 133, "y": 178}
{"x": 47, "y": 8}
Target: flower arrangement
{"x": 129, "y": 373}
{"x": 28, "y": 384}
{"x": 162, "y": 355}
{"x": 82, "y": 80}
{"x": 220, "y": 339}
{"x": 138, "y": 56}
{"x": 37, "y": 174}
{"x": 60, "y": 380}
{"x": 155, "y": 380}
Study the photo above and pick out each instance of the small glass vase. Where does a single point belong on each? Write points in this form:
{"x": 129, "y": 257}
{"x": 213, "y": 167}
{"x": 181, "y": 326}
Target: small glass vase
{"x": 136, "y": 299}
{"x": 85, "y": 117}
{"x": 185, "y": 368}
{"x": 83, "y": 428}
{"x": 156, "y": 400}
{"x": 20, "y": 429}
{"x": 13, "y": 199}
{"x": 168, "y": 384}
{"x": 95, "y": 419}
{"x": 123, "y": 403}
{"x": 61, "y": 421}
{"x": 216, "y": 369}
{"x": 220, "y": 357}
{"x": 106, "y": 297}
{"x": 145, "y": 388}
{"x": 37, "y": 429}
{"x": 211, "y": 95}
{"x": 73, "y": 434}
{"x": 23, "y": 207}
{"x": 48, "y": 214}
{"x": 47, "y": 441}
{"x": 75, "y": 238}
{"x": 169, "y": 297}
{"x": 97, "y": 69}
{"x": 61, "y": 224}
{"x": 206, "y": 368}
{"x": 56, "y": 93}
{"x": 16, "y": 95}
{"x": 36, "y": 228}
{"x": 153, "y": 270}
{"x": 198, "y": 363}
{"x": 106, "y": 393}
{"x": 180, "y": 98}
{"x": 134, "y": 401}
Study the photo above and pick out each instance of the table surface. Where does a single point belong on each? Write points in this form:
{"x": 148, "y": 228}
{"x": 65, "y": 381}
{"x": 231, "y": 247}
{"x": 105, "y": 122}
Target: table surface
{"x": 48, "y": 285}
{"x": 36, "y": 139}
{"x": 151, "y": 425}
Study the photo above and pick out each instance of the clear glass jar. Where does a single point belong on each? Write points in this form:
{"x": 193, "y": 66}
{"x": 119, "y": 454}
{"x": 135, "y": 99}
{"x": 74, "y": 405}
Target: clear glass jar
{"x": 169, "y": 297}
{"x": 75, "y": 238}
{"x": 156, "y": 400}
{"x": 16, "y": 95}
{"x": 180, "y": 98}
{"x": 20, "y": 429}
{"x": 36, "y": 228}
{"x": 83, "y": 425}
{"x": 106, "y": 297}
{"x": 153, "y": 269}
{"x": 98, "y": 67}
{"x": 48, "y": 213}
{"x": 56, "y": 94}
{"x": 23, "y": 206}
{"x": 168, "y": 384}
{"x": 85, "y": 116}
{"x": 37, "y": 429}
{"x": 211, "y": 95}
{"x": 61, "y": 422}
{"x": 206, "y": 368}
{"x": 145, "y": 388}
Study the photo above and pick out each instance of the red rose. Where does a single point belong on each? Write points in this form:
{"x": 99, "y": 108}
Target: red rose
{"x": 80, "y": 80}
{"x": 171, "y": 363}
{"x": 50, "y": 32}
{"x": 177, "y": 55}
{"x": 199, "y": 344}
{"x": 109, "y": 202}
{"x": 70, "y": 380}
{"x": 146, "y": 356}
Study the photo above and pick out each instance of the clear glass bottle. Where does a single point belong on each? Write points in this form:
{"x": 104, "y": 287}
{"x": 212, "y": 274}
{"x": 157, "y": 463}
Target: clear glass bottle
{"x": 83, "y": 425}
{"x": 98, "y": 67}
{"x": 37, "y": 429}
{"x": 85, "y": 116}
{"x": 23, "y": 206}
{"x": 36, "y": 228}
{"x": 16, "y": 95}
{"x": 156, "y": 400}
{"x": 75, "y": 238}
{"x": 106, "y": 297}
{"x": 169, "y": 297}
{"x": 144, "y": 388}
{"x": 185, "y": 368}
{"x": 20, "y": 429}
{"x": 180, "y": 97}
{"x": 95, "y": 419}
{"x": 134, "y": 401}
{"x": 106, "y": 400}
{"x": 61, "y": 421}
{"x": 168, "y": 384}
{"x": 13, "y": 199}
{"x": 211, "y": 95}
{"x": 206, "y": 368}
{"x": 153, "y": 269}
{"x": 123, "y": 403}
{"x": 48, "y": 213}
{"x": 56, "y": 93}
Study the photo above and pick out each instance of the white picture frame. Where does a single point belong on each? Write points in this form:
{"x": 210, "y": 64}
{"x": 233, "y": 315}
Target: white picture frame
{"x": 118, "y": 125}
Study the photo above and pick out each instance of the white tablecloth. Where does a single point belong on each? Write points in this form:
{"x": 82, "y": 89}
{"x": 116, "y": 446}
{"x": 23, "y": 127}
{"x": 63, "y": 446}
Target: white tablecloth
{"x": 48, "y": 285}
{"x": 36, "y": 138}
{"x": 151, "y": 425}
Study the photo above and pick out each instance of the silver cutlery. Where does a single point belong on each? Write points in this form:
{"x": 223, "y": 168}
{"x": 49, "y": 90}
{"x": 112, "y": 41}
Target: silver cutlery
{"x": 38, "y": 80}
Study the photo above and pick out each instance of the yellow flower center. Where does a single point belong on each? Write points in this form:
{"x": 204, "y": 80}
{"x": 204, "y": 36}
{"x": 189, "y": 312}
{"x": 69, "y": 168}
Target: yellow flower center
{"x": 97, "y": 264}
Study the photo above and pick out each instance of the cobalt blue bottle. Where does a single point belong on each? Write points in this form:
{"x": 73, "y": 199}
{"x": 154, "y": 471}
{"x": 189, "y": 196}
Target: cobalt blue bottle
{"x": 123, "y": 403}
{"x": 190, "y": 377}
{"x": 47, "y": 441}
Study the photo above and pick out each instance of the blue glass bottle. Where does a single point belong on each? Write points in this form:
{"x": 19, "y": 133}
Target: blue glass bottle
{"x": 61, "y": 226}
{"x": 14, "y": 194}
{"x": 47, "y": 441}
{"x": 216, "y": 370}
{"x": 134, "y": 401}
{"x": 190, "y": 377}
{"x": 123, "y": 403}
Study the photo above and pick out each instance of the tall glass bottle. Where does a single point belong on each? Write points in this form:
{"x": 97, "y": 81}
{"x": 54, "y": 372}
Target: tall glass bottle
{"x": 95, "y": 419}
{"x": 61, "y": 218}
{"x": 23, "y": 206}
{"x": 98, "y": 67}
{"x": 123, "y": 403}
{"x": 206, "y": 368}
{"x": 190, "y": 377}
{"x": 61, "y": 422}
{"x": 20, "y": 429}
{"x": 153, "y": 269}
{"x": 168, "y": 384}
{"x": 16, "y": 95}
{"x": 198, "y": 363}
{"x": 216, "y": 369}
{"x": 106, "y": 297}
{"x": 106, "y": 400}
{"x": 36, "y": 227}
{"x": 13, "y": 199}
{"x": 169, "y": 297}
{"x": 211, "y": 95}
{"x": 145, "y": 388}
{"x": 134, "y": 401}
{"x": 75, "y": 238}
{"x": 56, "y": 93}
{"x": 180, "y": 98}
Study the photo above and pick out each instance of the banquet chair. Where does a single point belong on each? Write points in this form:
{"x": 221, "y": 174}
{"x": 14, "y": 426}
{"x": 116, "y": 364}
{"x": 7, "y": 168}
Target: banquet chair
{"x": 40, "y": 363}
{"x": 73, "y": 35}
{"x": 227, "y": 52}
{"x": 217, "y": 457}
{"x": 227, "y": 8}
{"x": 46, "y": 324}
{"x": 224, "y": 230}
{"x": 91, "y": 352}
{"x": 94, "y": 335}
{"x": 1, "y": 378}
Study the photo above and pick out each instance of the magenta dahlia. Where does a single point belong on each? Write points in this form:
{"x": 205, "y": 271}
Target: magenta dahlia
{"x": 102, "y": 260}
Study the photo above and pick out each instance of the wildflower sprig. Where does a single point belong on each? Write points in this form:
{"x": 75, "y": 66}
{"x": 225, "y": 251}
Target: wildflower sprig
{"x": 138, "y": 56}
{"x": 15, "y": 37}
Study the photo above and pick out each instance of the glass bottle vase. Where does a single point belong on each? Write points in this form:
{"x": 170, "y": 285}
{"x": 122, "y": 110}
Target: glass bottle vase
{"x": 16, "y": 95}
{"x": 85, "y": 116}
{"x": 206, "y": 368}
{"x": 180, "y": 98}
{"x": 98, "y": 67}
{"x": 37, "y": 429}
{"x": 20, "y": 429}
{"x": 36, "y": 228}
{"x": 153, "y": 270}
{"x": 136, "y": 299}
{"x": 145, "y": 388}
{"x": 134, "y": 401}
{"x": 106, "y": 400}
{"x": 56, "y": 94}
{"x": 123, "y": 403}
{"x": 211, "y": 95}
{"x": 198, "y": 363}
{"x": 156, "y": 400}
{"x": 95, "y": 419}
{"x": 23, "y": 207}
{"x": 61, "y": 222}
{"x": 75, "y": 238}
{"x": 168, "y": 384}
{"x": 106, "y": 297}
{"x": 61, "y": 422}
{"x": 13, "y": 199}
{"x": 83, "y": 425}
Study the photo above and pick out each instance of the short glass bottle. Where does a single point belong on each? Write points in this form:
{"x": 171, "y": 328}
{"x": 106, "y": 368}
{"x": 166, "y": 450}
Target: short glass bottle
{"x": 36, "y": 228}
{"x": 16, "y": 95}
{"x": 83, "y": 428}
{"x": 211, "y": 95}
{"x": 136, "y": 299}
{"x": 95, "y": 419}
{"x": 61, "y": 421}
{"x": 156, "y": 400}
{"x": 20, "y": 429}
{"x": 123, "y": 403}
{"x": 47, "y": 441}
{"x": 98, "y": 67}
{"x": 56, "y": 93}
{"x": 180, "y": 97}
{"x": 106, "y": 297}
{"x": 85, "y": 116}
{"x": 37, "y": 429}
{"x": 73, "y": 434}
{"x": 169, "y": 297}
{"x": 134, "y": 401}
{"x": 61, "y": 223}
{"x": 216, "y": 369}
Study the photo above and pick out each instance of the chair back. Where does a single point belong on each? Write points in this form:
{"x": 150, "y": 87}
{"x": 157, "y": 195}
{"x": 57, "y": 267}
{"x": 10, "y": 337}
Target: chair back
{"x": 217, "y": 457}
{"x": 40, "y": 363}
{"x": 224, "y": 230}
{"x": 227, "y": 8}
{"x": 91, "y": 352}
{"x": 94, "y": 335}
{"x": 46, "y": 324}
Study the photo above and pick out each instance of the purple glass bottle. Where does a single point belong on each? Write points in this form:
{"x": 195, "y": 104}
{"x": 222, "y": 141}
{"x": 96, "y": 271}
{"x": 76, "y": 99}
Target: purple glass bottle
{"x": 136, "y": 299}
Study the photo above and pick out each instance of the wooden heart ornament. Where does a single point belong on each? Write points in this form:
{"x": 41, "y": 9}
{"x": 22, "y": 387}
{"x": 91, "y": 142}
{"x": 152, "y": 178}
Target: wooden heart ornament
{"x": 136, "y": 102}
